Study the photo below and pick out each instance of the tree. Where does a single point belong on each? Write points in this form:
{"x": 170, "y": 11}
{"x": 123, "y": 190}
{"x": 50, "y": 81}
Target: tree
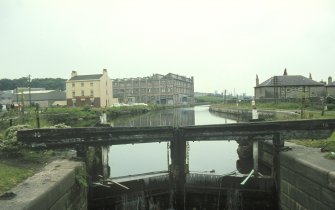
{"x": 47, "y": 83}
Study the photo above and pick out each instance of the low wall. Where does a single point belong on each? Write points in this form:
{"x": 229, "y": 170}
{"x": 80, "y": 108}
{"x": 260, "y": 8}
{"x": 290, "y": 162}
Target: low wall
{"x": 307, "y": 179}
{"x": 242, "y": 113}
{"x": 60, "y": 185}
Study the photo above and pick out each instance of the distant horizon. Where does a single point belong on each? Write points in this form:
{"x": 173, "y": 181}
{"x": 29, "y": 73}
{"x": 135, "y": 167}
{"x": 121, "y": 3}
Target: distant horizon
{"x": 231, "y": 92}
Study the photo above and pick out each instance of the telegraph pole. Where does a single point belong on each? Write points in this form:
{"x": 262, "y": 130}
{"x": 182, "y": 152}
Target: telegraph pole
{"x": 29, "y": 90}
{"x": 17, "y": 96}
{"x": 225, "y": 94}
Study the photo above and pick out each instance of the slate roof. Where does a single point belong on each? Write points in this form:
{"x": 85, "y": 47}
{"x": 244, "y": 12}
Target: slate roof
{"x": 86, "y": 77}
{"x": 331, "y": 84}
{"x": 289, "y": 80}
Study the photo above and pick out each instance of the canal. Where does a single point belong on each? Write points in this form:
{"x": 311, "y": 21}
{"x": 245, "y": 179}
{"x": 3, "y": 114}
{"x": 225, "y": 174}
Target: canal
{"x": 214, "y": 157}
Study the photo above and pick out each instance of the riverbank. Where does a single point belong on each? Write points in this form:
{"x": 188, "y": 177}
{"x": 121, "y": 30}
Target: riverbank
{"x": 245, "y": 114}
{"x": 280, "y": 111}
{"x": 17, "y": 163}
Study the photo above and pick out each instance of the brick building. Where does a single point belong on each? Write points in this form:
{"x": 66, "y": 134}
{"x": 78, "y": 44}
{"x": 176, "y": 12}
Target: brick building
{"x": 156, "y": 89}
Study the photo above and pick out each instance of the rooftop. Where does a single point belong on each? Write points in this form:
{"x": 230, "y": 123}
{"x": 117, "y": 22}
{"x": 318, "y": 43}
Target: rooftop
{"x": 86, "y": 77}
{"x": 289, "y": 80}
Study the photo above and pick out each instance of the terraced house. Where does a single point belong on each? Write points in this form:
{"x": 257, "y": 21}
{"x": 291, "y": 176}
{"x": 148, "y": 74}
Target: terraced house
{"x": 89, "y": 90}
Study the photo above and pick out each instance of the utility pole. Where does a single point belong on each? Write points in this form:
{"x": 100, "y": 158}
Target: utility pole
{"x": 225, "y": 96}
{"x": 17, "y": 96}
{"x": 275, "y": 90}
{"x": 29, "y": 90}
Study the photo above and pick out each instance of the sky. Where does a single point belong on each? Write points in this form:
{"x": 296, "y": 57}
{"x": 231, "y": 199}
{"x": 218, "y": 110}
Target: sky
{"x": 223, "y": 44}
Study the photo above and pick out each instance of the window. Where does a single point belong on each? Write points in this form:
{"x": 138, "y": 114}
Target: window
{"x": 82, "y": 84}
{"x": 73, "y": 94}
{"x": 92, "y": 93}
{"x": 91, "y": 84}
{"x": 73, "y": 84}
{"x": 82, "y": 93}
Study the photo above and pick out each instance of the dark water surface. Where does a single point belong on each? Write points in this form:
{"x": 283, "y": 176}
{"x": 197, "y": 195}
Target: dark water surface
{"x": 149, "y": 157}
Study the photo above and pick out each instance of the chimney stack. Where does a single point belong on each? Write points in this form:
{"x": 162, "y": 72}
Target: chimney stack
{"x": 285, "y": 72}
{"x": 104, "y": 71}
{"x": 310, "y": 76}
{"x": 330, "y": 80}
{"x": 73, "y": 74}
{"x": 257, "y": 80}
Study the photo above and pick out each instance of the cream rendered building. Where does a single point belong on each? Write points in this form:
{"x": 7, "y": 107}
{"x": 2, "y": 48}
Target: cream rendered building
{"x": 92, "y": 90}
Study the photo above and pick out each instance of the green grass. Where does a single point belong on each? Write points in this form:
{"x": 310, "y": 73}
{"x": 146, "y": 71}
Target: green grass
{"x": 10, "y": 176}
{"x": 330, "y": 156}
{"x": 35, "y": 157}
{"x": 209, "y": 99}
{"x": 326, "y": 145}
{"x": 285, "y": 106}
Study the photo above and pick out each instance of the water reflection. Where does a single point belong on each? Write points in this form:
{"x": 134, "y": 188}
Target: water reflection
{"x": 212, "y": 155}
{"x": 204, "y": 157}
{"x": 169, "y": 117}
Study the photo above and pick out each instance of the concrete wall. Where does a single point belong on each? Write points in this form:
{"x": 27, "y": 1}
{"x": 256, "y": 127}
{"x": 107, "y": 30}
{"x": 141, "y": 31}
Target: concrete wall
{"x": 55, "y": 187}
{"x": 307, "y": 179}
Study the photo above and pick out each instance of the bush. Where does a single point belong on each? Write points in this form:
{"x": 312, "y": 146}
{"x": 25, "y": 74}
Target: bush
{"x": 61, "y": 125}
{"x": 9, "y": 142}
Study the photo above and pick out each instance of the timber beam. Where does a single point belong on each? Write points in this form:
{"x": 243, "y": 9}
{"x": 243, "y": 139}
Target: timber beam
{"x": 99, "y": 136}
{"x": 297, "y": 129}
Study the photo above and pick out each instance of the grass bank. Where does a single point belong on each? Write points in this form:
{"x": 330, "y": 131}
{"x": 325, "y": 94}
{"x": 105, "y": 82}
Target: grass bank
{"x": 11, "y": 176}
{"x": 307, "y": 112}
{"x": 326, "y": 145}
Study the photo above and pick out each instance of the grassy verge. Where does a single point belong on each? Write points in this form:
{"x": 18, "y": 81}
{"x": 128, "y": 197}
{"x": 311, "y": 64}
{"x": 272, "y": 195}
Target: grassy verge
{"x": 285, "y": 106}
{"x": 11, "y": 176}
{"x": 325, "y": 145}
{"x": 308, "y": 113}
{"x": 14, "y": 170}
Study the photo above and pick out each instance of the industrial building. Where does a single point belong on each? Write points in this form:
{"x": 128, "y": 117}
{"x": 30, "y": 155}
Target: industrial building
{"x": 155, "y": 89}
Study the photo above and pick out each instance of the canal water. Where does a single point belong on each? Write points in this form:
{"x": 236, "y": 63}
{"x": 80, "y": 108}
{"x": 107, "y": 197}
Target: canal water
{"x": 215, "y": 157}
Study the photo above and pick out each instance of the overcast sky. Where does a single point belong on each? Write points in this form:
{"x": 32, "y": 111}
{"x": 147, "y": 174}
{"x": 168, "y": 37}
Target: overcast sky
{"x": 222, "y": 43}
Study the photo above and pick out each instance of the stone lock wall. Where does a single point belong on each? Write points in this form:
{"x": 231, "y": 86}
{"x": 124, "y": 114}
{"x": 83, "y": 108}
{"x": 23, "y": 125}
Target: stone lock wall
{"x": 307, "y": 179}
{"x": 60, "y": 185}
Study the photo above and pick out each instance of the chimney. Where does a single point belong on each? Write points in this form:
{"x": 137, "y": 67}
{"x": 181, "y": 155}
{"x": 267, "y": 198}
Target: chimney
{"x": 73, "y": 74}
{"x": 285, "y": 72}
{"x": 257, "y": 80}
{"x": 330, "y": 80}
{"x": 310, "y": 76}
{"x": 104, "y": 71}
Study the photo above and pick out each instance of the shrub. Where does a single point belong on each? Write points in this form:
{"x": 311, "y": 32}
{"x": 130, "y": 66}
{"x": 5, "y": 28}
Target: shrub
{"x": 61, "y": 125}
{"x": 9, "y": 142}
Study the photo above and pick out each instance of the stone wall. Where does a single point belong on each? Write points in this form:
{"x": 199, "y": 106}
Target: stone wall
{"x": 60, "y": 185}
{"x": 307, "y": 179}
